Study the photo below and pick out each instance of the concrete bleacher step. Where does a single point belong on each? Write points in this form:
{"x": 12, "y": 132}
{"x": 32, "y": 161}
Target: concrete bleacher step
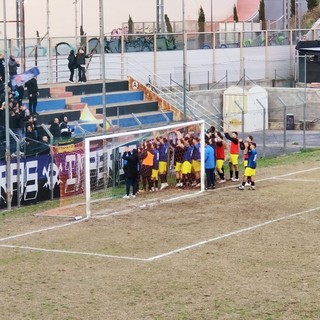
{"x": 95, "y": 87}
{"x": 127, "y": 108}
{"x": 146, "y": 118}
{"x": 126, "y": 121}
{"x": 61, "y": 95}
{"x": 114, "y": 97}
{"x": 46, "y": 117}
{"x": 75, "y": 105}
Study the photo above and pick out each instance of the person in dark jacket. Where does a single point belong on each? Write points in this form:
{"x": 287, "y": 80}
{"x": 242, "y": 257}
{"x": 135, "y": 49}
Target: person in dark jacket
{"x": 33, "y": 92}
{"x": 2, "y": 67}
{"x": 55, "y": 130}
{"x": 65, "y": 130}
{"x": 72, "y": 64}
{"x": 13, "y": 66}
{"x": 131, "y": 171}
{"x": 81, "y": 62}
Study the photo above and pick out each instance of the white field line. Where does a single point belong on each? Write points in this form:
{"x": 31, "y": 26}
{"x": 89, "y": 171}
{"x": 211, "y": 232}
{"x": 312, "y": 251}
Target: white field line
{"x": 42, "y": 230}
{"x": 227, "y": 235}
{"x": 169, "y": 253}
{"x": 157, "y": 203}
{"x": 297, "y": 180}
{"x": 92, "y": 254}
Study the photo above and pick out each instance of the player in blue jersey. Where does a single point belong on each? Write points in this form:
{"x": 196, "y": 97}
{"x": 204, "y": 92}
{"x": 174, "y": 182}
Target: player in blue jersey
{"x": 250, "y": 170}
{"x": 187, "y": 162}
{"x": 155, "y": 167}
{"x": 163, "y": 161}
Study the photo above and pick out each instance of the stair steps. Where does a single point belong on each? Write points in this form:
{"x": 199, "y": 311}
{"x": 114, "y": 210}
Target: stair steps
{"x": 75, "y": 105}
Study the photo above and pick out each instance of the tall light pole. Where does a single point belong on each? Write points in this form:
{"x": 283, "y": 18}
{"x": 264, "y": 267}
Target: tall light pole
{"x": 160, "y": 16}
{"x": 184, "y": 63}
{"x": 7, "y": 134}
{"x": 76, "y": 18}
{"x": 21, "y": 30}
{"x": 81, "y": 21}
{"x": 103, "y": 65}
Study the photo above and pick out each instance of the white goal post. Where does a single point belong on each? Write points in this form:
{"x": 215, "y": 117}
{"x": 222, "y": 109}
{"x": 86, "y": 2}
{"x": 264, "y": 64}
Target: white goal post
{"x": 103, "y": 158}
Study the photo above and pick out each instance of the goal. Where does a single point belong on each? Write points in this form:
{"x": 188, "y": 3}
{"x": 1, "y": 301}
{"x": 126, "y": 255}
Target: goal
{"x": 106, "y": 157}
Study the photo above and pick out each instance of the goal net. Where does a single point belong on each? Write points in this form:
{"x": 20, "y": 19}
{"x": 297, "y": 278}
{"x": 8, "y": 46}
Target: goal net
{"x": 148, "y": 162}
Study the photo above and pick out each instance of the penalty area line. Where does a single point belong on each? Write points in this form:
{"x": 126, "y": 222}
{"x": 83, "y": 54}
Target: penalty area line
{"x": 43, "y": 230}
{"x": 230, "y": 234}
{"x": 91, "y": 254}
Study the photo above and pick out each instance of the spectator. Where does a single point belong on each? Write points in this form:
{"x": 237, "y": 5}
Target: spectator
{"x": 81, "y": 63}
{"x": 2, "y": 67}
{"x": 72, "y": 64}
{"x": 65, "y": 129}
{"x": 2, "y": 120}
{"x": 55, "y": 130}
{"x": 131, "y": 171}
{"x": 33, "y": 92}
{"x": 44, "y": 147}
{"x": 13, "y": 65}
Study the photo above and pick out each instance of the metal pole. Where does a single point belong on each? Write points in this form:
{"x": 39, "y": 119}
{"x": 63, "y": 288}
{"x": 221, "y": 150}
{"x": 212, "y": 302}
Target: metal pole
{"x": 103, "y": 65}
{"x": 8, "y": 154}
{"x": 51, "y": 159}
{"x": 49, "y": 74}
{"x": 242, "y": 117}
{"x": 304, "y": 118}
{"x": 184, "y": 64}
{"x": 18, "y": 167}
{"x": 23, "y": 38}
{"x": 211, "y": 9}
{"x": 82, "y": 13}
{"x": 264, "y": 128}
{"x": 76, "y": 19}
{"x": 284, "y": 126}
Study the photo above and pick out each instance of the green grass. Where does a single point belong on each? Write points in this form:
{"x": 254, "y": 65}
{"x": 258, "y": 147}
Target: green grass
{"x": 303, "y": 155}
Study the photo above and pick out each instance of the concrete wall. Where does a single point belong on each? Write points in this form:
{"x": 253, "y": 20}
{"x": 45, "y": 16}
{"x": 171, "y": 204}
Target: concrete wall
{"x": 293, "y": 99}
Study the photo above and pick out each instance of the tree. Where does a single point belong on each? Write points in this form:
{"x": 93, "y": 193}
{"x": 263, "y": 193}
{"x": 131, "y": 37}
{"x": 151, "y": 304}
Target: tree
{"x": 169, "y": 26}
{"x": 235, "y": 14}
{"x": 293, "y": 8}
{"x": 312, "y": 4}
{"x": 262, "y": 14}
{"x": 130, "y": 28}
{"x": 201, "y": 23}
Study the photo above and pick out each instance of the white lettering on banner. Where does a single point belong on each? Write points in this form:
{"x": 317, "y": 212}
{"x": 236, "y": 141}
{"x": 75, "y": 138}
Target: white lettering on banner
{"x": 55, "y": 176}
{"x": 102, "y": 157}
{"x": 14, "y": 179}
{"x": 97, "y": 163}
{"x": 74, "y": 166}
{"x": 69, "y": 167}
{"x": 80, "y": 171}
{"x": 31, "y": 181}
{"x": 3, "y": 181}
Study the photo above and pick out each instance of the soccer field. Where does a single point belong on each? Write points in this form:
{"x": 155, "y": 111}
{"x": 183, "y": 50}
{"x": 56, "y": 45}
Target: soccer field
{"x": 220, "y": 254}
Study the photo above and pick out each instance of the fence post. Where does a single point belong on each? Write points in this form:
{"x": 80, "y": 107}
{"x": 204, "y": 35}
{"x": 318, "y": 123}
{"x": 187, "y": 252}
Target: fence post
{"x": 17, "y": 140}
{"x": 264, "y": 128}
{"x": 51, "y": 156}
{"x": 242, "y": 117}
{"x": 284, "y": 126}
{"x": 304, "y": 121}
